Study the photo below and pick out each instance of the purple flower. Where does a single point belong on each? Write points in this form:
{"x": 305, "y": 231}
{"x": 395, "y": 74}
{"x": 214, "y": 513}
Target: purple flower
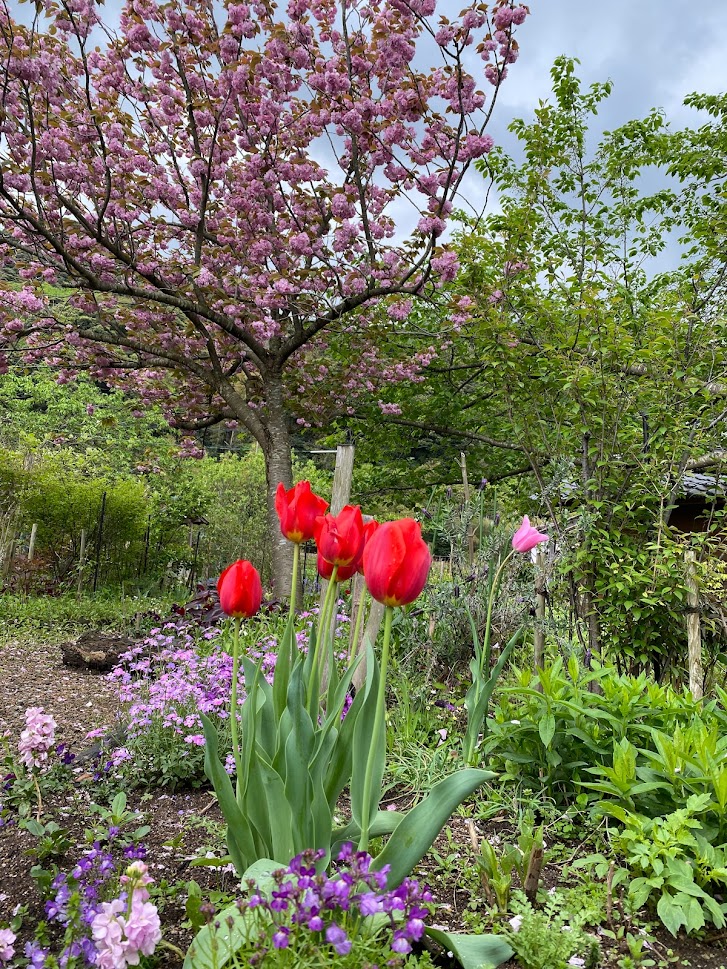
{"x": 35, "y": 954}
{"x": 338, "y": 939}
{"x": 281, "y": 938}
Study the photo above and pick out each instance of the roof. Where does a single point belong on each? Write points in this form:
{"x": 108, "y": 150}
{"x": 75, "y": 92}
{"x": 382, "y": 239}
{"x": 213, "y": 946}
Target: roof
{"x": 695, "y": 485}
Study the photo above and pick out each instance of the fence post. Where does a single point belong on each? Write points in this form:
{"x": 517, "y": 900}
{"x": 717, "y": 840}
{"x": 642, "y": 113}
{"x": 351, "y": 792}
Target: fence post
{"x": 81, "y": 562}
{"x": 694, "y": 632}
{"x": 340, "y": 495}
{"x": 98, "y": 541}
{"x": 31, "y": 544}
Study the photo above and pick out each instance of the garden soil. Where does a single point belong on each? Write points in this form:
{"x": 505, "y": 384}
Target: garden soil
{"x": 186, "y": 825}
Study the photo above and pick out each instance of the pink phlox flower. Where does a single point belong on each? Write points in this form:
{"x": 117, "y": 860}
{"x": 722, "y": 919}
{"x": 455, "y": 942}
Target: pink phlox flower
{"x": 7, "y": 951}
{"x": 37, "y": 738}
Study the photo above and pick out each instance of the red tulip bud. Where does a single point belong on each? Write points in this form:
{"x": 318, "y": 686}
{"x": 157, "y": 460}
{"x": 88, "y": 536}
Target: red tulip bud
{"x": 297, "y": 510}
{"x": 325, "y": 570}
{"x": 369, "y": 529}
{"x": 240, "y": 589}
{"x": 396, "y": 562}
{"x": 340, "y": 538}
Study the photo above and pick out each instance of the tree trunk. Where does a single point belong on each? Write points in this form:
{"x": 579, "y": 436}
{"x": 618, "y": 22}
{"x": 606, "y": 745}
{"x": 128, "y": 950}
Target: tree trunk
{"x": 279, "y": 467}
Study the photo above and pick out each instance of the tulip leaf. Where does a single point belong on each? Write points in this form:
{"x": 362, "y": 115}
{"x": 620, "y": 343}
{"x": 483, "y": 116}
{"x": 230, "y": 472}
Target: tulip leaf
{"x": 266, "y": 727}
{"x": 473, "y": 951}
{"x": 384, "y": 822}
{"x": 283, "y": 666}
{"x": 215, "y": 944}
{"x": 299, "y": 748}
{"x": 239, "y": 841}
{"x": 415, "y": 835}
{"x": 339, "y": 769}
{"x": 364, "y": 732}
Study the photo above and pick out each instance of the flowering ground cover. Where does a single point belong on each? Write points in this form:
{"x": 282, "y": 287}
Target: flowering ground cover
{"x": 183, "y": 826}
{"x": 233, "y": 800}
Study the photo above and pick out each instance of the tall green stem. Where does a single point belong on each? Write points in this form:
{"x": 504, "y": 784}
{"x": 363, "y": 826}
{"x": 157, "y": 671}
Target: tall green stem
{"x": 322, "y": 632}
{"x": 485, "y": 661}
{"x": 324, "y": 644}
{"x": 294, "y": 587}
{"x": 378, "y": 732}
{"x": 233, "y": 704}
{"x": 359, "y": 619}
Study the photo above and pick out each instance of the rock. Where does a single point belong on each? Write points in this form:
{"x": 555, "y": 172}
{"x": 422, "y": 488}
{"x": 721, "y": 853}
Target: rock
{"x": 95, "y": 651}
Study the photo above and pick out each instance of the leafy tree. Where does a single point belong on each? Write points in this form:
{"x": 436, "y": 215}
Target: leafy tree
{"x": 582, "y": 367}
{"x": 202, "y": 205}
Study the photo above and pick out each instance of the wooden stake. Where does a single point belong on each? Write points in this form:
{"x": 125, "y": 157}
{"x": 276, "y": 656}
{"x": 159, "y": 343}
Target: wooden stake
{"x": 31, "y": 546}
{"x": 694, "y": 632}
{"x": 81, "y": 561}
{"x": 340, "y": 496}
{"x": 532, "y": 878}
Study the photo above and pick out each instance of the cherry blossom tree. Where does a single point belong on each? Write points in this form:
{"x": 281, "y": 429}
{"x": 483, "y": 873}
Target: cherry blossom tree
{"x": 205, "y": 198}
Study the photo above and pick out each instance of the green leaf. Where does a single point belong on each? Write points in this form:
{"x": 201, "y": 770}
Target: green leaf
{"x": 473, "y": 951}
{"x": 261, "y": 872}
{"x": 283, "y": 665}
{"x": 216, "y": 943}
{"x": 384, "y": 822}
{"x": 415, "y": 835}
{"x": 546, "y": 729}
{"x": 670, "y": 913}
{"x": 363, "y": 733}
{"x": 239, "y": 839}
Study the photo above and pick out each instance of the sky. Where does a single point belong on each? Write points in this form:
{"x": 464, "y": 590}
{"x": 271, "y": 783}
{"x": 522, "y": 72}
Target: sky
{"x": 654, "y": 51}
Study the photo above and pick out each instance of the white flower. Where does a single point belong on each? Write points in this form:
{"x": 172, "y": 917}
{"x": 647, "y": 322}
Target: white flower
{"x": 516, "y": 921}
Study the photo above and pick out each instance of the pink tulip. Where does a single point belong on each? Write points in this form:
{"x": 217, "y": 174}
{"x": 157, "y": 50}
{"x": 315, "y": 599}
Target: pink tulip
{"x": 527, "y": 537}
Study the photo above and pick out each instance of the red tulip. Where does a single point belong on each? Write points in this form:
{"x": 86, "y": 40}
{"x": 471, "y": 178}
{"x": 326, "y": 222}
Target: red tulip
{"x": 527, "y": 537}
{"x": 340, "y": 538}
{"x": 240, "y": 589}
{"x": 369, "y": 529}
{"x": 297, "y": 510}
{"x": 325, "y": 570}
{"x": 396, "y": 562}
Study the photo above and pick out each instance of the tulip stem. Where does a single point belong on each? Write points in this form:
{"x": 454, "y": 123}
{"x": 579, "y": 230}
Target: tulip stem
{"x": 485, "y": 654}
{"x": 233, "y": 705}
{"x": 377, "y": 733}
{"x": 323, "y": 621}
{"x": 362, "y": 603}
{"x": 294, "y": 588}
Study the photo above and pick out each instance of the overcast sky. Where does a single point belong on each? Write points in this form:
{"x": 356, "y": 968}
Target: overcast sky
{"x": 655, "y": 52}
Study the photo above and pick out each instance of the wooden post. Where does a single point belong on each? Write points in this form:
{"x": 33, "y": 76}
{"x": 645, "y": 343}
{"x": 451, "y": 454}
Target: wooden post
{"x": 694, "y": 632}
{"x": 81, "y": 562}
{"x": 31, "y": 544}
{"x": 470, "y": 529}
{"x": 373, "y": 624}
{"x": 340, "y": 495}
{"x": 539, "y": 638}
{"x": 99, "y": 539}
